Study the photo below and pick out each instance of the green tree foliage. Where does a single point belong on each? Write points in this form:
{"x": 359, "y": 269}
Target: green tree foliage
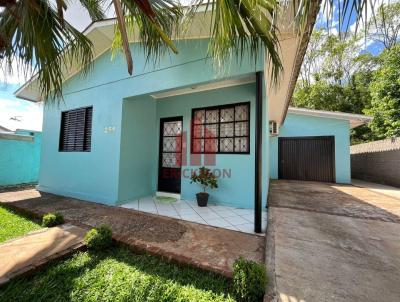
{"x": 385, "y": 92}
{"x": 338, "y": 78}
{"x": 385, "y": 27}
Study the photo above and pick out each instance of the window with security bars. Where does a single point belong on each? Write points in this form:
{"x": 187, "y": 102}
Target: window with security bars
{"x": 221, "y": 129}
{"x": 76, "y": 130}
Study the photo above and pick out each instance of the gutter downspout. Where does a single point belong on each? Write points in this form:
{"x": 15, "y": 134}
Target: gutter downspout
{"x": 258, "y": 154}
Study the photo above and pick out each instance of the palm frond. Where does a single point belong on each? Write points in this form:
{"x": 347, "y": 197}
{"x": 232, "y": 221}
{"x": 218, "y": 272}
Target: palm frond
{"x": 155, "y": 22}
{"x": 35, "y": 37}
{"x": 94, "y": 8}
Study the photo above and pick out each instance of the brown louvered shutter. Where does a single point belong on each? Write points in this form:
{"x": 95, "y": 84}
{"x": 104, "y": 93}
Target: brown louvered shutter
{"x": 76, "y": 130}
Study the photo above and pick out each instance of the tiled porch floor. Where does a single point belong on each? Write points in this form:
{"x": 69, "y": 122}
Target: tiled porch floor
{"x": 215, "y": 215}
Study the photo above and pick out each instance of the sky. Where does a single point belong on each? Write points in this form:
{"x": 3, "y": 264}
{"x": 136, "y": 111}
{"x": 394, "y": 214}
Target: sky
{"x": 16, "y": 113}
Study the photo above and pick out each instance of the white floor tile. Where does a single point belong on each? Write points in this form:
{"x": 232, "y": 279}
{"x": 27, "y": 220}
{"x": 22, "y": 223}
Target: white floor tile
{"x": 236, "y": 220}
{"x": 215, "y": 215}
{"x": 249, "y": 218}
{"x": 186, "y": 211}
{"x": 209, "y": 215}
{"x": 167, "y": 212}
{"x": 244, "y": 212}
{"x": 193, "y": 218}
{"x": 231, "y": 227}
{"x": 203, "y": 210}
{"x": 218, "y": 222}
{"x": 247, "y": 227}
{"x": 220, "y": 208}
{"x": 226, "y": 213}
{"x": 164, "y": 207}
{"x": 147, "y": 199}
{"x": 181, "y": 205}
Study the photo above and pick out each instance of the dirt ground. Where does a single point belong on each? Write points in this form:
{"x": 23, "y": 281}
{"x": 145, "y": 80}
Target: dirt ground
{"x": 329, "y": 242}
{"x": 184, "y": 242}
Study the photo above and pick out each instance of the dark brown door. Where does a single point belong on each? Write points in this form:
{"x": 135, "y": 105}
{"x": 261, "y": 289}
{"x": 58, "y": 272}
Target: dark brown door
{"x": 307, "y": 158}
{"x": 170, "y": 155}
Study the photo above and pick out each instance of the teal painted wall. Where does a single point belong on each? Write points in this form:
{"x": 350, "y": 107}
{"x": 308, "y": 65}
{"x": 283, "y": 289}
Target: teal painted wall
{"x": 20, "y": 159}
{"x": 301, "y": 125}
{"x": 96, "y": 175}
{"x": 138, "y": 162}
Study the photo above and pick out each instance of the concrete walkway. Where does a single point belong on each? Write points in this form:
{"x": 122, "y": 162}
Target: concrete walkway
{"x": 25, "y": 254}
{"x": 378, "y": 188}
{"x": 330, "y": 242}
{"x": 203, "y": 246}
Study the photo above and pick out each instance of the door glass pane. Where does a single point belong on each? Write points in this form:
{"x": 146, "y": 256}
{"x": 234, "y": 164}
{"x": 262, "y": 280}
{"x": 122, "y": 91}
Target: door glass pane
{"x": 172, "y": 144}
{"x": 171, "y": 160}
{"x": 172, "y": 128}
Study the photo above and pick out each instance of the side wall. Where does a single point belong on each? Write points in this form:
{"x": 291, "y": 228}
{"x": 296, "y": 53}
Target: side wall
{"x": 19, "y": 157}
{"x": 380, "y": 167}
{"x": 86, "y": 175}
{"x": 300, "y": 125}
{"x": 138, "y": 148}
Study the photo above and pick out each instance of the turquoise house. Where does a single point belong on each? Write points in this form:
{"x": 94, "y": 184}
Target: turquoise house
{"x": 117, "y": 138}
{"x": 19, "y": 157}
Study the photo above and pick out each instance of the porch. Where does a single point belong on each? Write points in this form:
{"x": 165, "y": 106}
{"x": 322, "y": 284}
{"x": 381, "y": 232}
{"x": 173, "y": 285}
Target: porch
{"x": 227, "y": 217}
{"x": 165, "y": 137}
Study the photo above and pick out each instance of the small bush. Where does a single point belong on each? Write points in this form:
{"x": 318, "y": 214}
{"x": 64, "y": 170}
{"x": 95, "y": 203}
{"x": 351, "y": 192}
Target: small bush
{"x": 249, "y": 280}
{"x": 52, "y": 219}
{"x": 99, "y": 238}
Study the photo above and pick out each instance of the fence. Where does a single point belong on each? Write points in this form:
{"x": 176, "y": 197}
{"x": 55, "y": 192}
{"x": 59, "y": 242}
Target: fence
{"x": 19, "y": 157}
{"x": 377, "y": 161}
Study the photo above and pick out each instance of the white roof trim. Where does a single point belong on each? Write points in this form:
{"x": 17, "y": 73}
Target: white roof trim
{"x": 205, "y": 87}
{"x": 354, "y": 119}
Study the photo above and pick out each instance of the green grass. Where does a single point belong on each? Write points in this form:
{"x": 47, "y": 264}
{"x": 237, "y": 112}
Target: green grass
{"x": 117, "y": 275}
{"x": 14, "y": 225}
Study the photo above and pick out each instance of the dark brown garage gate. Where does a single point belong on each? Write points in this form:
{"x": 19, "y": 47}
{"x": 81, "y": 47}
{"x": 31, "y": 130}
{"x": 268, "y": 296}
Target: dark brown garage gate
{"x": 307, "y": 158}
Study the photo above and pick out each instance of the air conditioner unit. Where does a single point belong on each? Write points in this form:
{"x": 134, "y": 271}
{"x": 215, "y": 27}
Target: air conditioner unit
{"x": 273, "y": 128}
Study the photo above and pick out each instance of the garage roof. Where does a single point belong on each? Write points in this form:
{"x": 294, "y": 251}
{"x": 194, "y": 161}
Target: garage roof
{"x": 354, "y": 119}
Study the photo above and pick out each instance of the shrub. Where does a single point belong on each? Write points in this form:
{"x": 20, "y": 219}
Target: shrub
{"x": 52, "y": 219}
{"x": 99, "y": 238}
{"x": 249, "y": 280}
{"x": 205, "y": 178}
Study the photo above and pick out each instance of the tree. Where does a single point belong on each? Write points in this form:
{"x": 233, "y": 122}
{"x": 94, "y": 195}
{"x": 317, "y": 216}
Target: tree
{"x": 340, "y": 80}
{"x": 385, "y": 27}
{"x": 385, "y": 92}
{"x": 35, "y": 34}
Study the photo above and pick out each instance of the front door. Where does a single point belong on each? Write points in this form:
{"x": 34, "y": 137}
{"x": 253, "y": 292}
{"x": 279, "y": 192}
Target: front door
{"x": 170, "y": 155}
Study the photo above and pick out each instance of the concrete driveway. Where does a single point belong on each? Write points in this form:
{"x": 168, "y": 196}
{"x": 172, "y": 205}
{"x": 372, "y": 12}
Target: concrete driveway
{"x": 329, "y": 242}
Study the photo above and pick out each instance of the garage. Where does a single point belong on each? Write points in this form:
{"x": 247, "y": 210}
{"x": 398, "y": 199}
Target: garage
{"x": 307, "y": 158}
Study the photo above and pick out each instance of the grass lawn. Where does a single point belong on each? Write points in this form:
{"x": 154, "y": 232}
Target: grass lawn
{"x": 117, "y": 275}
{"x": 14, "y": 225}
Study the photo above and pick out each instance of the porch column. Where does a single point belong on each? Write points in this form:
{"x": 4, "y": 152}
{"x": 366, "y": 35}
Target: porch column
{"x": 258, "y": 154}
